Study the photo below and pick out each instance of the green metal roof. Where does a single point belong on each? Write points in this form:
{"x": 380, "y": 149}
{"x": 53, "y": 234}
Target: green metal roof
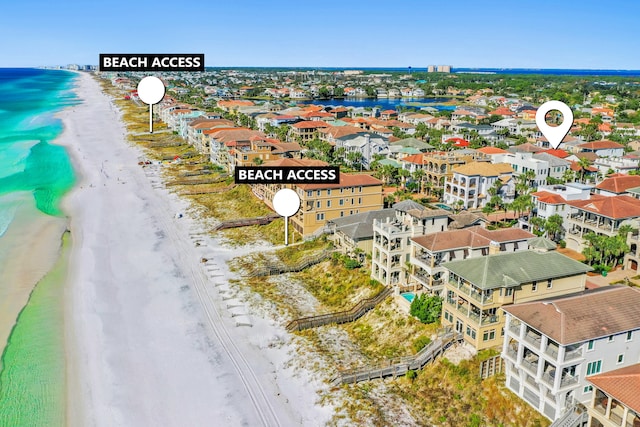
{"x": 391, "y": 162}
{"x": 512, "y": 269}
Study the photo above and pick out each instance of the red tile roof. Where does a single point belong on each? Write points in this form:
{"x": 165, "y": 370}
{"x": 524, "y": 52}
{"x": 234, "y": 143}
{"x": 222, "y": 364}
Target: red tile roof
{"x": 549, "y": 198}
{"x": 492, "y": 150}
{"x": 556, "y": 152}
{"x": 473, "y": 237}
{"x": 582, "y": 317}
{"x": 600, "y": 145}
{"x": 615, "y": 207}
{"x": 619, "y": 183}
{"x": 622, "y": 384}
{"x": 310, "y": 124}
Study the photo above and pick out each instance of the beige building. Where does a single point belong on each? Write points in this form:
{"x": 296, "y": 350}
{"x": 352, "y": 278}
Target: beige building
{"x": 319, "y": 203}
{"x": 477, "y": 288}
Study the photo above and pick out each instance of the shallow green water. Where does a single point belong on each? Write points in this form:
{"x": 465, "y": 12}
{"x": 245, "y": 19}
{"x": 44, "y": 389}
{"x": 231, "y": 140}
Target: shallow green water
{"x": 32, "y": 382}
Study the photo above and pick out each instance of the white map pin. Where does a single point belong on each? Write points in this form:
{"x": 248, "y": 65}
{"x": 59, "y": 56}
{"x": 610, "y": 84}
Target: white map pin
{"x": 554, "y": 134}
{"x": 151, "y": 91}
{"x": 286, "y": 203}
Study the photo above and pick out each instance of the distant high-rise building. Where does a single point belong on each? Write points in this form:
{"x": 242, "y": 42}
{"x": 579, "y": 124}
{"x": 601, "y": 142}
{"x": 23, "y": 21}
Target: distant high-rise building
{"x": 439, "y": 69}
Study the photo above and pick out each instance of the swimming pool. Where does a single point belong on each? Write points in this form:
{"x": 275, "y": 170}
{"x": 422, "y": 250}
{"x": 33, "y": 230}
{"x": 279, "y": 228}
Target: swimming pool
{"x": 443, "y": 206}
{"x": 409, "y": 296}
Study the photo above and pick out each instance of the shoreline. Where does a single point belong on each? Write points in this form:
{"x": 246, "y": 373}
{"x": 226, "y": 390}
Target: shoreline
{"x": 143, "y": 318}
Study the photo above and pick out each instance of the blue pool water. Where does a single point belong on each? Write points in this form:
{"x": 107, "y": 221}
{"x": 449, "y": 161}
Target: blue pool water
{"x": 443, "y": 206}
{"x": 409, "y": 296}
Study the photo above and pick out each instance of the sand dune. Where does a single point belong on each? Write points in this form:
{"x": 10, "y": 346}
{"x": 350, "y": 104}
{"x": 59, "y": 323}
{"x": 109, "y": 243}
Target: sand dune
{"x": 150, "y": 341}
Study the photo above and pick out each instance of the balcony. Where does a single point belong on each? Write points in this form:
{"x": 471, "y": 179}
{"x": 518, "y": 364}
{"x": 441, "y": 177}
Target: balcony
{"x": 533, "y": 338}
{"x": 531, "y": 366}
{"x": 482, "y": 298}
{"x": 512, "y": 354}
{"x": 514, "y": 329}
{"x": 573, "y": 354}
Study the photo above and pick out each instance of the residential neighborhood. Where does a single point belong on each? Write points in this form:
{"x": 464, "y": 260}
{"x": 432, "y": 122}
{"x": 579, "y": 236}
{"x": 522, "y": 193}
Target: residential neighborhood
{"x": 456, "y": 198}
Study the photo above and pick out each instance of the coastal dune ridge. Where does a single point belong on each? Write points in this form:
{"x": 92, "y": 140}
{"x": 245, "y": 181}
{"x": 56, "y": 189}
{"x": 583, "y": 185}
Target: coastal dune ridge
{"x": 148, "y": 339}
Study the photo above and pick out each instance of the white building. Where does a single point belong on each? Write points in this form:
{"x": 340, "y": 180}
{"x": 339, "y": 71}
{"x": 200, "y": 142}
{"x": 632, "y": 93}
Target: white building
{"x": 471, "y": 184}
{"x": 551, "y": 199}
{"x": 391, "y": 239}
{"x": 551, "y": 346}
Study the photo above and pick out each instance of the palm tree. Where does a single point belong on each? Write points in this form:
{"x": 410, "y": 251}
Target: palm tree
{"x": 584, "y": 164}
{"x": 568, "y": 176}
{"x": 553, "y": 227}
{"x": 418, "y": 175}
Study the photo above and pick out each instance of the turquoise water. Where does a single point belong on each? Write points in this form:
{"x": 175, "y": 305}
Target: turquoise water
{"x": 32, "y": 376}
{"x": 409, "y": 296}
{"x": 443, "y": 206}
{"x": 28, "y": 162}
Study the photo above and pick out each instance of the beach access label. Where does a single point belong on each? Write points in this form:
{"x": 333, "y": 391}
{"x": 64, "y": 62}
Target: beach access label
{"x": 287, "y": 175}
{"x": 152, "y": 62}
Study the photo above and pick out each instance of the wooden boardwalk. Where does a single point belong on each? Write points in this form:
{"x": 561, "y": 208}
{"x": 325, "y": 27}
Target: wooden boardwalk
{"x": 401, "y": 365}
{"x": 244, "y": 222}
{"x": 354, "y": 313}
{"x": 275, "y": 270}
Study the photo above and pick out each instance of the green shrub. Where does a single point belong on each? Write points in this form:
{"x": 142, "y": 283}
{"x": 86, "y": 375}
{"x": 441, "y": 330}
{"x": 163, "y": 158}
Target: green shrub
{"x": 421, "y": 342}
{"x": 411, "y": 374}
{"x": 562, "y": 244}
{"x": 426, "y": 308}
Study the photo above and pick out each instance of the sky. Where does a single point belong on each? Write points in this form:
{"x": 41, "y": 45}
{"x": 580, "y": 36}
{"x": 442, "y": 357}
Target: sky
{"x": 585, "y": 34}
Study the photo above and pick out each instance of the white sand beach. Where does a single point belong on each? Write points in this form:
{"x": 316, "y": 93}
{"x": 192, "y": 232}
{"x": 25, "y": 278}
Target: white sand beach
{"x": 150, "y": 340}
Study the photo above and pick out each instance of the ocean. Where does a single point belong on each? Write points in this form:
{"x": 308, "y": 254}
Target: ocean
{"x": 34, "y": 171}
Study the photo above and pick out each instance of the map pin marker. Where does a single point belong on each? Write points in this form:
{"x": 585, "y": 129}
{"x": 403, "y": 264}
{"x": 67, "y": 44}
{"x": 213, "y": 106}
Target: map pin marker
{"x": 151, "y": 91}
{"x": 286, "y": 203}
{"x": 554, "y": 134}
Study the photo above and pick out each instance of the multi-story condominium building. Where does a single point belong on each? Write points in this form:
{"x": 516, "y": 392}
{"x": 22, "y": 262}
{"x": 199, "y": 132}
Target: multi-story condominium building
{"x": 306, "y": 130}
{"x": 391, "y": 244}
{"x": 632, "y": 257}
{"x": 551, "y": 346}
{"x": 220, "y": 140}
{"x": 319, "y": 203}
{"x": 470, "y": 184}
{"x": 197, "y": 126}
{"x": 476, "y": 289}
{"x": 430, "y": 251}
{"x": 356, "y": 193}
{"x": 365, "y": 145}
{"x": 438, "y": 166}
{"x": 615, "y": 400}
{"x": 524, "y": 162}
{"x": 260, "y": 150}
{"x": 552, "y": 199}
{"x": 600, "y": 215}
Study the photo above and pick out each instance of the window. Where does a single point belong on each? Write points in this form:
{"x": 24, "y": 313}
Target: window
{"x": 587, "y": 389}
{"x": 489, "y": 335}
{"x": 471, "y": 332}
{"x": 353, "y": 189}
{"x": 328, "y": 203}
{"x": 360, "y": 189}
{"x": 318, "y": 204}
{"x": 341, "y": 214}
{"x": 508, "y": 292}
{"x": 629, "y": 334}
{"x": 352, "y": 200}
{"x": 534, "y": 286}
{"x": 590, "y": 345}
{"x": 341, "y": 190}
{"x": 594, "y": 367}
{"x": 549, "y": 284}
{"x": 341, "y": 203}
{"x": 610, "y": 338}
{"x": 502, "y": 332}
{"x": 328, "y": 192}
{"x": 320, "y": 217}
{"x": 318, "y": 192}
{"x": 309, "y": 193}
{"x": 359, "y": 200}
{"x": 620, "y": 358}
